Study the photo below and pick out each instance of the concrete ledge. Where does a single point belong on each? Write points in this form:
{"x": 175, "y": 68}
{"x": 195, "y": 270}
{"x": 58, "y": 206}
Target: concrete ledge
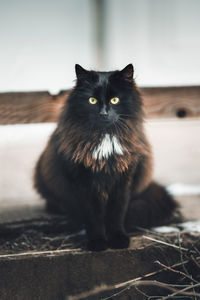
{"x": 44, "y": 258}
{"x": 72, "y": 274}
{"x": 57, "y": 275}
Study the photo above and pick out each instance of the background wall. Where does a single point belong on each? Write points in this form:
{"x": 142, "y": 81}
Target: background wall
{"x": 161, "y": 38}
{"x": 42, "y": 40}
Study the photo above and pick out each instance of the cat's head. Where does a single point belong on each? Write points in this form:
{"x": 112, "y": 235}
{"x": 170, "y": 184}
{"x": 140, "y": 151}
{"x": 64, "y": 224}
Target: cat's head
{"x": 104, "y": 101}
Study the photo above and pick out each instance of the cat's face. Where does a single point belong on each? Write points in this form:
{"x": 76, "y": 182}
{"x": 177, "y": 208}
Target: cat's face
{"x": 104, "y": 100}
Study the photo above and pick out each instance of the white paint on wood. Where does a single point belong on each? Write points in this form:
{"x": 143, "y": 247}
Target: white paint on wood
{"x": 191, "y": 226}
{"x": 180, "y": 189}
{"x": 176, "y": 149}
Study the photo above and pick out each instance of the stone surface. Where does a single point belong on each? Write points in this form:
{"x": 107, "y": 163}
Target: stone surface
{"x": 78, "y": 274}
{"x": 44, "y": 260}
{"x": 68, "y": 274}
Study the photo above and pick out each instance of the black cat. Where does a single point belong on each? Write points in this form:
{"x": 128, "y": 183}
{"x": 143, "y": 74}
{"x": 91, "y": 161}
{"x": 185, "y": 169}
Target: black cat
{"x": 97, "y": 166}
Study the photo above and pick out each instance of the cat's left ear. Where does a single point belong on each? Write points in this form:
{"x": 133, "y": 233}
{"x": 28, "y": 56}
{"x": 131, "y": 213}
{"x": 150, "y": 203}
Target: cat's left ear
{"x": 81, "y": 73}
{"x": 127, "y": 72}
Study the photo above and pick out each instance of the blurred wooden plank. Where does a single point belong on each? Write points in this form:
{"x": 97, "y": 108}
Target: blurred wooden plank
{"x": 170, "y": 102}
{"x": 30, "y": 107}
{"x": 36, "y": 107}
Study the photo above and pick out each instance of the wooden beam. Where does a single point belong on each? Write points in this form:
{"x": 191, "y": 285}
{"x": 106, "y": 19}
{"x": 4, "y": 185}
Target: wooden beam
{"x": 36, "y": 107}
{"x": 30, "y": 107}
{"x": 170, "y": 102}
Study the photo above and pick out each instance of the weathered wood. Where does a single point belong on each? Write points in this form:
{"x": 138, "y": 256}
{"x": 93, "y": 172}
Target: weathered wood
{"x": 30, "y": 107}
{"x": 35, "y": 107}
{"x": 172, "y": 101}
{"x": 77, "y": 274}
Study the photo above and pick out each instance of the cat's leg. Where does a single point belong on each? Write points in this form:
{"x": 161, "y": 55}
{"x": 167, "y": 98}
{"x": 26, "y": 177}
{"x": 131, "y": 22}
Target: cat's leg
{"x": 64, "y": 196}
{"x": 95, "y": 225}
{"x": 93, "y": 210}
{"x": 115, "y": 218}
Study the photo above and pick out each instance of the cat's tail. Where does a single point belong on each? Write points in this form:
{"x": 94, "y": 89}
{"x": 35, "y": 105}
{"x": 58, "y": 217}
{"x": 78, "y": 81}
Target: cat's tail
{"x": 153, "y": 207}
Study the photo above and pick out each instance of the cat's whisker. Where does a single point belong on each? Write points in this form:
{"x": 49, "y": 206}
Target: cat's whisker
{"x": 121, "y": 130}
{"x": 120, "y": 126}
{"x": 90, "y": 132}
{"x": 124, "y": 115}
{"x": 117, "y": 128}
{"x": 123, "y": 124}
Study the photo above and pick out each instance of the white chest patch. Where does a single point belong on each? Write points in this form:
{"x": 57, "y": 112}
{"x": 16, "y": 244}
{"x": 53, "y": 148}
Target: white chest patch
{"x": 108, "y": 146}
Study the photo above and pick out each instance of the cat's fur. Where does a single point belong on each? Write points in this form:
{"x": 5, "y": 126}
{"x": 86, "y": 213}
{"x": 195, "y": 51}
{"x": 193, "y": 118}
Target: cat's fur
{"x": 97, "y": 166}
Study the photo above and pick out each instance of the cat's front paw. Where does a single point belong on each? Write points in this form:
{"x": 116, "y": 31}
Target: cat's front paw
{"x": 119, "y": 241}
{"x": 98, "y": 244}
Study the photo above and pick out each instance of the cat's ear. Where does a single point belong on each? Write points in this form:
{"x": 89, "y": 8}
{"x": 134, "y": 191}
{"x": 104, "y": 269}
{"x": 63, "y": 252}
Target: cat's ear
{"x": 81, "y": 73}
{"x": 127, "y": 72}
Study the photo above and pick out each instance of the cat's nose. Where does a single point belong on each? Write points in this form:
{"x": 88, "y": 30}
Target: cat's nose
{"x": 103, "y": 112}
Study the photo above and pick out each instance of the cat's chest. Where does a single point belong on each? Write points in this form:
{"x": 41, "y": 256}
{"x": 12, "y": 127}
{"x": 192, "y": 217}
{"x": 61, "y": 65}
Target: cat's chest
{"x": 107, "y": 147}
{"x": 107, "y": 153}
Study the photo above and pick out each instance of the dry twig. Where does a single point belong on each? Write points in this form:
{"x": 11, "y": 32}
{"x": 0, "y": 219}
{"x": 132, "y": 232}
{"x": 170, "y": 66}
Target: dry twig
{"x": 176, "y": 271}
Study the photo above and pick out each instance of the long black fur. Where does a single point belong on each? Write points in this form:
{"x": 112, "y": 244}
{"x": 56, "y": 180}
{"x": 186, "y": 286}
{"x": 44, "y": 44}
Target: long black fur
{"x": 109, "y": 195}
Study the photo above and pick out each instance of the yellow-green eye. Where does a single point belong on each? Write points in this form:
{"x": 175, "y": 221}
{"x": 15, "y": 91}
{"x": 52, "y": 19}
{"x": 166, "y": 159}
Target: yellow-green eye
{"x": 93, "y": 100}
{"x": 114, "y": 100}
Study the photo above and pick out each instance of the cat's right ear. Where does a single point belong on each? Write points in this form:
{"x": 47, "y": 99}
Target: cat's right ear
{"x": 127, "y": 72}
{"x": 81, "y": 73}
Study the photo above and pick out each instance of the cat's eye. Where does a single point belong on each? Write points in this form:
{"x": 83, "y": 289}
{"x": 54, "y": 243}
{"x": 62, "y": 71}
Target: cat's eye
{"x": 93, "y": 100}
{"x": 114, "y": 100}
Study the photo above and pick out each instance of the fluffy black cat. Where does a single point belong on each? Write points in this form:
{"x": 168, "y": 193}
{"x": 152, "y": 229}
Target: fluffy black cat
{"x": 97, "y": 166}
